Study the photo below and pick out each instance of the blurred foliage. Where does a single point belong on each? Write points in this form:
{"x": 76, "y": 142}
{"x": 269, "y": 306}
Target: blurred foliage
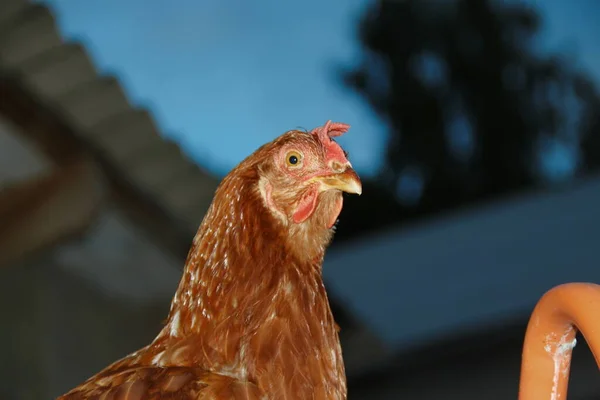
{"x": 475, "y": 111}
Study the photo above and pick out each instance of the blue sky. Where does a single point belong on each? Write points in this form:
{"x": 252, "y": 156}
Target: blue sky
{"x": 223, "y": 77}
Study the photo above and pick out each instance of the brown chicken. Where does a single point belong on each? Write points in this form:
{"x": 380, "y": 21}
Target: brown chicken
{"x": 250, "y": 318}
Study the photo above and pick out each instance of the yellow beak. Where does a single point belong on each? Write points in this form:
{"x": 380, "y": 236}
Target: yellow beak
{"x": 347, "y": 181}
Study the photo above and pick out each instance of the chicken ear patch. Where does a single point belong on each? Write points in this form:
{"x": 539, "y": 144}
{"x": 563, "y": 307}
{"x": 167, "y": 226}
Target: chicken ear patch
{"x": 306, "y": 206}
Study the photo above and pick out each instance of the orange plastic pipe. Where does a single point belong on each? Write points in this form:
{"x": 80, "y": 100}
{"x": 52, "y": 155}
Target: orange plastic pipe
{"x": 550, "y": 339}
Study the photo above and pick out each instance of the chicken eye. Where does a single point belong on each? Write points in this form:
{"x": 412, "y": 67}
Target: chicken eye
{"x": 293, "y": 158}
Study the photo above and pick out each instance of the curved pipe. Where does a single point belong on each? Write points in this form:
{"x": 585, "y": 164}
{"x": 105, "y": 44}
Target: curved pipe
{"x": 550, "y": 339}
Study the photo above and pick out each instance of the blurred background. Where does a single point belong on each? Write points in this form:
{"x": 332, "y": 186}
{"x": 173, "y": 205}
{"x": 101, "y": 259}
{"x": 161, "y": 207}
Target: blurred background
{"x": 475, "y": 127}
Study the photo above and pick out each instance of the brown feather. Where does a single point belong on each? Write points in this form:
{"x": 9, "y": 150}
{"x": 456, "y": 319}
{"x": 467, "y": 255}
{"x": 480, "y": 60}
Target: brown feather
{"x": 250, "y": 318}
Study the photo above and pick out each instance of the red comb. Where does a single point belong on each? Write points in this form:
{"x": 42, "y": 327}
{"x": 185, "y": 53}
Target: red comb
{"x": 329, "y": 130}
{"x": 325, "y": 134}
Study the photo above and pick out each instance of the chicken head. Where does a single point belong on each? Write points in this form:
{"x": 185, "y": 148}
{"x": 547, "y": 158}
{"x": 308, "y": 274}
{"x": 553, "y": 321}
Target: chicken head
{"x": 305, "y": 175}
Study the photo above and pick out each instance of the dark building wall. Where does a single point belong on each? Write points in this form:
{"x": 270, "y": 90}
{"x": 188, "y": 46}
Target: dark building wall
{"x": 57, "y": 330}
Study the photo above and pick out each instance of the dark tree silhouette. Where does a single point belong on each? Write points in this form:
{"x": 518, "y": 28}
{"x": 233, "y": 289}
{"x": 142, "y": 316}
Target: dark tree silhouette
{"x": 475, "y": 110}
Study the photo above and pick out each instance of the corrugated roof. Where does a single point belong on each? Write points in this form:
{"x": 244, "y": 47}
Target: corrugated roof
{"x": 63, "y": 76}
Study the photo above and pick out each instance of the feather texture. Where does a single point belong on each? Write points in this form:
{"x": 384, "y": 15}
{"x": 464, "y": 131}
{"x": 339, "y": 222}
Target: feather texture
{"x": 250, "y": 318}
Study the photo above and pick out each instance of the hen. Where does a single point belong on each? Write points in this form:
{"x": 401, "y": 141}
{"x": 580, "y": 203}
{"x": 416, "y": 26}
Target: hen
{"x": 250, "y": 318}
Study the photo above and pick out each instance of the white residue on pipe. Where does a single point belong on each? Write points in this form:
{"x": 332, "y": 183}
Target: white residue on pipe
{"x": 561, "y": 356}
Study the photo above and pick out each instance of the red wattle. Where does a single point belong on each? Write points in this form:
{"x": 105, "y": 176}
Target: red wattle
{"x": 306, "y": 206}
